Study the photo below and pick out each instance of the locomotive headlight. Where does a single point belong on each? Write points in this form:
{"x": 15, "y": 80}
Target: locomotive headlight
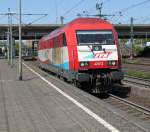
{"x": 81, "y": 63}
{"x": 112, "y": 63}
{"x": 84, "y": 63}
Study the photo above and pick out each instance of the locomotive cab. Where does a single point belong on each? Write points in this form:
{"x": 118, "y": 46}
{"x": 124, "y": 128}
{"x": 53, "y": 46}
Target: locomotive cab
{"x": 98, "y": 58}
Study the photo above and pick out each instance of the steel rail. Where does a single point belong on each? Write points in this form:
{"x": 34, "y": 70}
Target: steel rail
{"x": 137, "y": 81}
{"x": 132, "y": 77}
{"x": 133, "y": 105}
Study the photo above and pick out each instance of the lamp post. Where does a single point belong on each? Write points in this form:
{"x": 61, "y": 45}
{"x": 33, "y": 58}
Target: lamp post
{"x": 20, "y": 43}
{"x": 8, "y": 47}
{"x": 131, "y": 35}
{"x": 11, "y": 39}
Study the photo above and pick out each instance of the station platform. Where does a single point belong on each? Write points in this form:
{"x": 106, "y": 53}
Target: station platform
{"x": 43, "y": 103}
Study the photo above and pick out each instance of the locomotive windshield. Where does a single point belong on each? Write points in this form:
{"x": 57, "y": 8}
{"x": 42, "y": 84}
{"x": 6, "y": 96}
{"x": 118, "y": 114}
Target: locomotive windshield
{"x": 95, "y": 38}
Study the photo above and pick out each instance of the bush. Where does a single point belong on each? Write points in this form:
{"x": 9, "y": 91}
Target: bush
{"x": 145, "y": 52}
{"x": 138, "y": 50}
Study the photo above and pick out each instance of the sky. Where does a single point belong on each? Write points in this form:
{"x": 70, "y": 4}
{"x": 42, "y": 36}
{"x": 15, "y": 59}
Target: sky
{"x": 139, "y": 9}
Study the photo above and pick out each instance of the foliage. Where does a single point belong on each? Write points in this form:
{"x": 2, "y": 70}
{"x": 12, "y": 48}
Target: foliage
{"x": 17, "y": 47}
{"x": 138, "y": 50}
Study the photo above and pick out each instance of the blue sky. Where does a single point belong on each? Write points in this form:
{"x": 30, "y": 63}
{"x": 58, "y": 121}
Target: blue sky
{"x": 70, "y": 8}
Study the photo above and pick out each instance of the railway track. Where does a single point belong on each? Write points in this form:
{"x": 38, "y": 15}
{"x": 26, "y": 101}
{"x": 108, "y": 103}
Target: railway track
{"x": 140, "y": 64}
{"x": 132, "y": 109}
{"x": 140, "y": 61}
{"x": 136, "y": 67}
{"x": 137, "y": 81}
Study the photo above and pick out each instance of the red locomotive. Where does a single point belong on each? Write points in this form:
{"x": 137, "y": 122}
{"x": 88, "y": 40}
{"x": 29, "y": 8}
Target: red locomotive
{"x": 84, "y": 51}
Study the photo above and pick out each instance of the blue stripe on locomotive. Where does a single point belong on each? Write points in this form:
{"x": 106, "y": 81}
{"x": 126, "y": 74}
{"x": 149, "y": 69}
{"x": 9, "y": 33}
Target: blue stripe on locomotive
{"x": 64, "y": 66}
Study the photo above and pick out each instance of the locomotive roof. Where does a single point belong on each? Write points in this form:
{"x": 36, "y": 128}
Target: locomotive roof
{"x": 78, "y": 21}
{"x": 88, "y": 20}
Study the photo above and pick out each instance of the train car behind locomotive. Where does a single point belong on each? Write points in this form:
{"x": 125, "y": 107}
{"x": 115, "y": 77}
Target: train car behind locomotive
{"x": 85, "y": 51}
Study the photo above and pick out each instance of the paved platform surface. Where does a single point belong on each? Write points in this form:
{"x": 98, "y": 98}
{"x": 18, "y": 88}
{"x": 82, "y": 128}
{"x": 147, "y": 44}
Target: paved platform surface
{"x": 32, "y": 105}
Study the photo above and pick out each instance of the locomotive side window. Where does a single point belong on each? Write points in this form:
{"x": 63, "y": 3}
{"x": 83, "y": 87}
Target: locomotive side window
{"x": 95, "y": 37}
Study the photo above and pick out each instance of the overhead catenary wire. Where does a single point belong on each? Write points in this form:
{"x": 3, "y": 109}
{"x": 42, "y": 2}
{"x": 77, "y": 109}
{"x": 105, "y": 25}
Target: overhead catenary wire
{"x": 144, "y": 20}
{"x": 100, "y": 14}
{"x": 134, "y": 6}
{"x": 25, "y": 14}
{"x": 15, "y": 17}
{"x": 1, "y": 18}
{"x": 93, "y": 7}
{"x": 37, "y": 19}
{"x": 57, "y": 8}
{"x": 114, "y": 19}
{"x": 29, "y": 14}
{"x": 72, "y": 8}
{"x": 120, "y": 13}
{"x": 42, "y": 15}
{"x": 62, "y": 2}
{"x": 124, "y": 10}
{"x": 30, "y": 23}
